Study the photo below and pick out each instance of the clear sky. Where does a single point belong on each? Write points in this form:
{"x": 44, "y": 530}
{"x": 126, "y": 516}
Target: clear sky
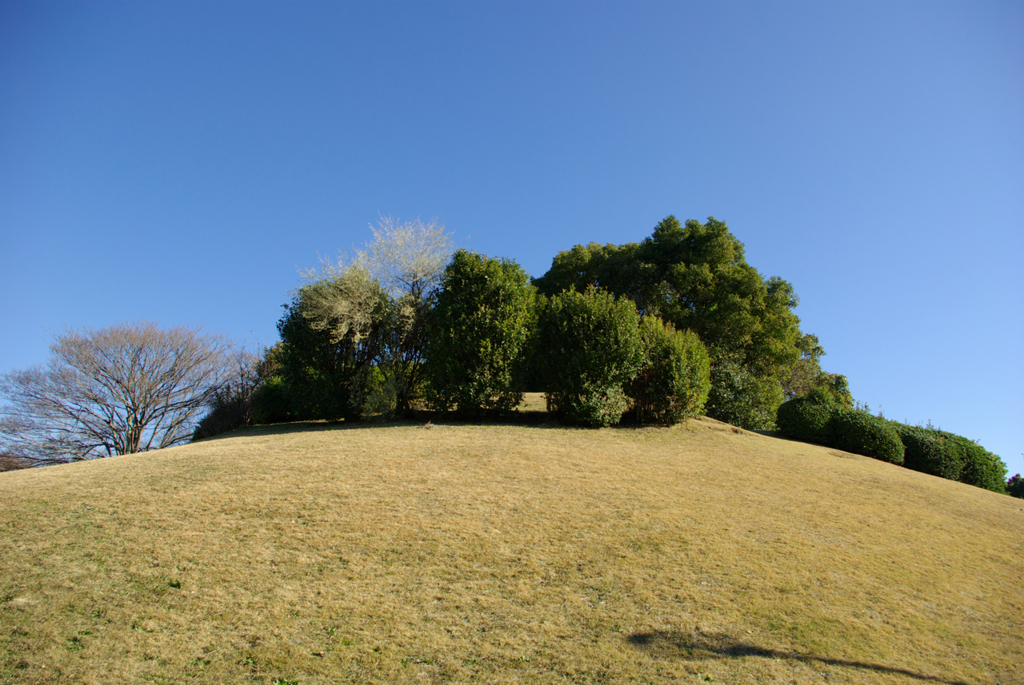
{"x": 180, "y": 162}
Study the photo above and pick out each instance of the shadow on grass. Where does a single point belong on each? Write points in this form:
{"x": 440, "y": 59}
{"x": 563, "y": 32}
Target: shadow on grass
{"x": 539, "y": 419}
{"x": 683, "y": 646}
{"x": 536, "y": 418}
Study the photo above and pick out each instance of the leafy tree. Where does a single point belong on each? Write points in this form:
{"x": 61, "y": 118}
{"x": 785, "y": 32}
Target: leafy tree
{"x": 674, "y": 380}
{"x": 478, "y": 335}
{"x": 590, "y": 347}
{"x": 806, "y": 375}
{"x": 128, "y": 388}
{"x": 407, "y": 259}
{"x": 333, "y": 334}
{"x": 741, "y": 397}
{"x": 373, "y": 308}
{"x": 1015, "y": 486}
{"x": 696, "y": 277}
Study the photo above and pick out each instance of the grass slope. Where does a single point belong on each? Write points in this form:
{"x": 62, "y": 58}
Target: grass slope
{"x": 506, "y": 554}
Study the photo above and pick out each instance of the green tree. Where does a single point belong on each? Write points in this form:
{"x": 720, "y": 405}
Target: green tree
{"x": 333, "y": 335}
{"x": 1015, "y": 486}
{"x": 674, "y": 380}
{"x": 806, "y": 375}
{"x": 478, "y": 334}
{"x": 590, "y": 348}
{"x": 408, "y": 259}
{"x": 386, "y": 310}
{"x": 696, "y": 277}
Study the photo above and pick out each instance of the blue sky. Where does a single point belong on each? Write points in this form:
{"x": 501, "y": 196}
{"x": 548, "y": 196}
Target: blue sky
{"x": 181, "y": 162}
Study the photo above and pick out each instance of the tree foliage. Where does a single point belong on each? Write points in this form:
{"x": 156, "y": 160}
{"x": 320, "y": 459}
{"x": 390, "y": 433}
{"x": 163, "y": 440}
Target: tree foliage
{"x": 674, "y": 380}
{"x": 696, "y": 277}
{"x": 407, "y": 258}
{"x": 333, "y": 335}
{"x": 806, "y": 375}
{"x": 478, "y": 335}
{"x": 590, "y": 347}
{"x": 128, "y": 388}
{"x": 1015, "y": 486}
{"x": 861, "y": 433}
{"x": 355, "y": 334}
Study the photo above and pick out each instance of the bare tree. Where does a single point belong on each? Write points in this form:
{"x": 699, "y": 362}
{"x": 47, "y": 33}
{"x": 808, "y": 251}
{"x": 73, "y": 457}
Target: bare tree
{"x": 128, "y": 388}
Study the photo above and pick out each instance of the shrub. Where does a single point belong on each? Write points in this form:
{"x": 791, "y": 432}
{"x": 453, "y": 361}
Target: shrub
{"x": 244, "y": 398}
{"x": 951, "y": 456}
{"x": 927, "y": 451}
{"x": 807, "y": 418}
{"x": 861, "y": 433}
{"x": 590, "y": 348}
{"x": 1015, "y": 486}
{"x": 478, "y": 334}
{"x": 741, "y": 397}
{"x": 981, "y": 468}
{"x": 272, "y": 404}
{"x": 11, "y": 462}
{"x": 675, "y": 378}
{"x": 227, "y": 414}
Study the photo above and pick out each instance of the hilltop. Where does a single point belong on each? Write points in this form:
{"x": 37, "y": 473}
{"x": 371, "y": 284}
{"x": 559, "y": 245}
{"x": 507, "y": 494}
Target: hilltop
{"x": 315, "y": 553}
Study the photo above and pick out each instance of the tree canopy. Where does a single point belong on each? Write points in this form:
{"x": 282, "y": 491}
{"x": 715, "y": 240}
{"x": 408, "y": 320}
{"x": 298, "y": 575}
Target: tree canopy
{"x": 696, "y": 277}
{"x": 478, "y": 335}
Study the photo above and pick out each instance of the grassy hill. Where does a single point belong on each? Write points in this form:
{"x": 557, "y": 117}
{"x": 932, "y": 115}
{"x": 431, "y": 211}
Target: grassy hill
{"x": 505, "y": 554}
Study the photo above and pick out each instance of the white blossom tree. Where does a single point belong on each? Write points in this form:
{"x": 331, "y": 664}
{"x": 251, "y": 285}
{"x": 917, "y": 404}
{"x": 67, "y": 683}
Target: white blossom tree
{"x": 405, "y": 261}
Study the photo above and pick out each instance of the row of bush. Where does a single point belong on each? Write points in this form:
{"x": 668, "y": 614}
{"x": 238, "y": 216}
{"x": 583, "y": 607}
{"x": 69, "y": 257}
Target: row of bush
{"x": 818, "y": 418}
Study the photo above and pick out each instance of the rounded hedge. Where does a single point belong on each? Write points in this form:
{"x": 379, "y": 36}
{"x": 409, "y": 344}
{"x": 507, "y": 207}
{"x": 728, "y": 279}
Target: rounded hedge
{"x": 981, "y": 468}
{"x": 674, "y": 380}
{"x": 806, "y": 419}
{"x": 590, "y": 347}
{"x": 926, "y": 451}
{"x": 861, "y": 433}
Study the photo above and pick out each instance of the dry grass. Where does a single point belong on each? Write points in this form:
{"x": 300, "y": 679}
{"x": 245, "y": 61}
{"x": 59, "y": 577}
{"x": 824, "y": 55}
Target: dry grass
{"x": 505, "y": 554}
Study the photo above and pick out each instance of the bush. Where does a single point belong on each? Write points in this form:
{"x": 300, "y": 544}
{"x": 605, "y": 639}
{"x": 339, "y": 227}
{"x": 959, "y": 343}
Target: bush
{"x": 478, "y": 335}
{"x": 861, "y": 433}
{"x": 272, "y": 404}
{"x": 675, "y": 378}
{"x": 1015, "y": 486}
{"x": 10, "y": 462}
{"x": 951, "y": 456}
{"x": 246, "y": 397}
{"x": 927, "y": 451}
{"x": 982, "y": 469}
{"x": 807, "y": 418}
{"x": 590, "y": 348}
{"x": 227, "y": 414}
{"x": 739, "y": 397}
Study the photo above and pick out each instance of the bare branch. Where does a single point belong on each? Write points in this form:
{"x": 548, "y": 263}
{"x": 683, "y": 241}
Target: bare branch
{"x": 407, "y": 258}
{"x": 128, "y": 388}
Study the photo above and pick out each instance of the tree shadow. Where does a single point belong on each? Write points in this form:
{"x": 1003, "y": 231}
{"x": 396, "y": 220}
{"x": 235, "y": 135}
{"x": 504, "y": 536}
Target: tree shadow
{"x": 680, "y": 645}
